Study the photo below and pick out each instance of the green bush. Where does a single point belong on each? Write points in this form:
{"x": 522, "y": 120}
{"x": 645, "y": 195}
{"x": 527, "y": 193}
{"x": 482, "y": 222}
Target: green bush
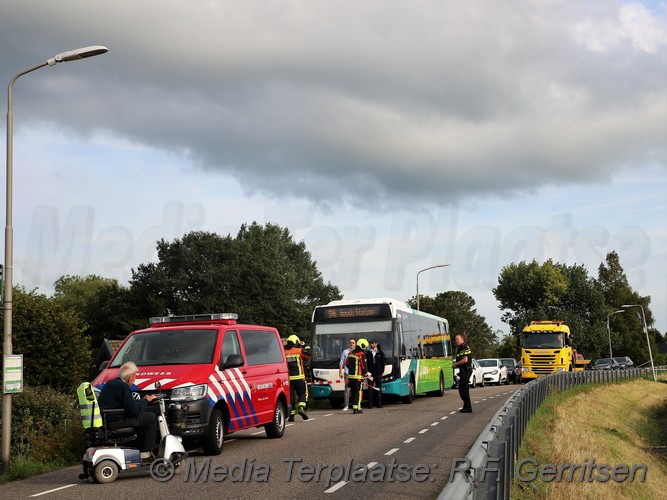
{"x": 46, "y": 427}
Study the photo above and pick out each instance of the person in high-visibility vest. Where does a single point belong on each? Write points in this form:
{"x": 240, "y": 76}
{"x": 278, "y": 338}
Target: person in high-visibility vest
{"x": 464, "y": 364}
{"x": 296, "y": 352}
{"x": 356, "y": 368}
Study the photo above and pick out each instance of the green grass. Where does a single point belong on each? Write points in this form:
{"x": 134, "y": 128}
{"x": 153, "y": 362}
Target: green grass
{"x": 612, "y": 424}
{"x": 22, "y": 468}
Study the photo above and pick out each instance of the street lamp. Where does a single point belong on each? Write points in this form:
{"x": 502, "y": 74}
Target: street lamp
{"x": 648, "y": 342}
{"x": 428, "y": 268}
{"x": 609, "y": 331}
{"x": 70, "y": 55}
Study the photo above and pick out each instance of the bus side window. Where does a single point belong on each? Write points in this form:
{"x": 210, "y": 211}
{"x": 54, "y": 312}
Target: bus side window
{"x": 400, "y": 341}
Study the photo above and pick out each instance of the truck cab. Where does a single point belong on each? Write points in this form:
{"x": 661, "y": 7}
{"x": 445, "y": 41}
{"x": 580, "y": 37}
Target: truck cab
{"x": 546, "y": 347}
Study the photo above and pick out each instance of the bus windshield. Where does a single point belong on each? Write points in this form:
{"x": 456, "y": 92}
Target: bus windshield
{"x": 330, "y": 339}
{"x": 542, "y": 340}
{"x": 168, "y": 347}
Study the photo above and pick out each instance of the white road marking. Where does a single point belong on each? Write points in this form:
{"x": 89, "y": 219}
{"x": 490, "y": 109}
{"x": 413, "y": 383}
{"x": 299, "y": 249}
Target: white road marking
{"x": 54, "y": 489}
{"x": 392, "y": 451}
{"x": 336, "y": 487}
{"x": 445, "y": 417}
{"x": 409, "y": 440}
{"x": 423, "y": 431}
{"x": 434, "y": 424}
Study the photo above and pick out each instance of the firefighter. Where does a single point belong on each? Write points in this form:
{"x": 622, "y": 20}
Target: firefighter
{"x": 356, "y": 368}
{"x": 296, "y": 352}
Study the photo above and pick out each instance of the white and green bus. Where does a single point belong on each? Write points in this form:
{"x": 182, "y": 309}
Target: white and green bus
{"x": 417, "y": 346}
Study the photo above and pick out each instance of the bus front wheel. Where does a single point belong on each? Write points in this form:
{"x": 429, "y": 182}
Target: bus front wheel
{"x": 411, "y": 392}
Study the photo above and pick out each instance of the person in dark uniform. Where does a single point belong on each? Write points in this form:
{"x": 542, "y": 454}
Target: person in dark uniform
{"x": 464, "y": 364}
{"x": 376, "y": 361}
{"x": 116, "y": 393}
{"x": 296, "y": 352}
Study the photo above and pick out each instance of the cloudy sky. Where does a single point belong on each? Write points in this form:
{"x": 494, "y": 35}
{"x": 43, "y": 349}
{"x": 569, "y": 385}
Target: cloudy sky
{"x": 390, "y": 136}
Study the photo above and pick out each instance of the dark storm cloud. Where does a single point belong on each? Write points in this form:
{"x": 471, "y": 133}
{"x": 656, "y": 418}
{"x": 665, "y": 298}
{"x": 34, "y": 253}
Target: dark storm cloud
{"x": 362, "y": 101}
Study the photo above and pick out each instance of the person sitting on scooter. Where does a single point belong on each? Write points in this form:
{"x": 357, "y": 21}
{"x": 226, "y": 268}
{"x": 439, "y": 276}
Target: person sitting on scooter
{"x": 117, "y": 394}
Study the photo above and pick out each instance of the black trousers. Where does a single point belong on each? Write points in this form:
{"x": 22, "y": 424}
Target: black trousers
{"x": 146, "y": 425}
{"x": 355, "y": 393}
{"x": 375, "y": 397}
{"x": 464, "y": 389}
{"x": 297, "y": 394}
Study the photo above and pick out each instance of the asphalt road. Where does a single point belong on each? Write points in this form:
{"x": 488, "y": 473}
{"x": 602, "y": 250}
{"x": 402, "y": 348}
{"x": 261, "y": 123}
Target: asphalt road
{"x": 407, "y": 449}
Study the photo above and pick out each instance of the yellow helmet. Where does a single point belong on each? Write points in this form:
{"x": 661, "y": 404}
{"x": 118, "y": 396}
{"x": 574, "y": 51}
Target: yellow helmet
{"x": 363, "y": 344}
{"x": 293, "y": 339}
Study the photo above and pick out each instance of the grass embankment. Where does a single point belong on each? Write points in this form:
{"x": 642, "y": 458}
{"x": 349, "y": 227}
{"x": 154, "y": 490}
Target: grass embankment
{"x": 614, "y": 425}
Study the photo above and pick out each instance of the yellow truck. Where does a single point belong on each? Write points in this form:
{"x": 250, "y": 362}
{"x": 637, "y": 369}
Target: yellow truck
{"x": 546, "y": 347}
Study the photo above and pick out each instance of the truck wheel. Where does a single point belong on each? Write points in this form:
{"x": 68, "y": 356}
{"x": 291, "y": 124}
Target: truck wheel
{"x": 216, "y": 434}
{"x": 276, "y": 428}
{"x": 106, "y": 471}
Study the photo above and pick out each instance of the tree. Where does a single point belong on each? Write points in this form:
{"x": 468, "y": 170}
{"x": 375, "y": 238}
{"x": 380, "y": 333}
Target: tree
{"x": 56, "y": 351}
{"x": 101, "y": 303}
{"x": 459, "y": 309}
{"x": 508, "y": 347}
{"x": 526, "y": 290}
{"x": 554, "y": 292}
{"x": 262, "y": 275}
{"x": 628, "y": 338}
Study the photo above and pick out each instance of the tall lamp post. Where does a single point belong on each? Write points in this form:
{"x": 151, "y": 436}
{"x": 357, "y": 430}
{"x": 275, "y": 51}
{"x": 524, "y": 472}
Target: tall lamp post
{"x": 428, "y": 268}
{"x": 648, "y": 342}
{"x": 611, "y": 355}
{"x": 71, "y": 55}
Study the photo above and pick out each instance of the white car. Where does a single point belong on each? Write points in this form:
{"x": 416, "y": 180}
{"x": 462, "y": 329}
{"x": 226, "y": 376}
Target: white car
{"x": 494, "y": 371}
{"x": 476, "y": 377}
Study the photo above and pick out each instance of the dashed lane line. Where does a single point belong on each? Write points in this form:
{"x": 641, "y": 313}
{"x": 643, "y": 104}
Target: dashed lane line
{"x": 53, "y": 490}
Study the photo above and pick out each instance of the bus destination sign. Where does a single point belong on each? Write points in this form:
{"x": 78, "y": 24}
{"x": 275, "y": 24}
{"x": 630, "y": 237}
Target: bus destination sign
{"x": 363, "y": 311}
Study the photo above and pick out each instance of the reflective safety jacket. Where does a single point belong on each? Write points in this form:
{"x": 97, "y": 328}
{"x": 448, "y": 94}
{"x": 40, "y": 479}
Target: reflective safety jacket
{"x": 295, "y": 355}
{"x": 461, "y": 353}
{"x": 91, "y": 417}
{"x": 356, "y": 363}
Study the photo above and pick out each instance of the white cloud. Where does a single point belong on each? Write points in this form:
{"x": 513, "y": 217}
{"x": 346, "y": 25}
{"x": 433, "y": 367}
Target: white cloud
{"x": 510, "y": 113}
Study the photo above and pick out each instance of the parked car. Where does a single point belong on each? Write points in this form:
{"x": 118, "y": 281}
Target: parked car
{"x": 625, "y": 362}
{"x": 494, "y": 371}
{"x": 476, "y": 377}
{"x": 605, "y": 364}
{"x": 513, "y": 369}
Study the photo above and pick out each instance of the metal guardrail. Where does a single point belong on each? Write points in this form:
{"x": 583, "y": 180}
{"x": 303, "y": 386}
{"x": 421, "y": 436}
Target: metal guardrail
{"x": 492, "y": 458}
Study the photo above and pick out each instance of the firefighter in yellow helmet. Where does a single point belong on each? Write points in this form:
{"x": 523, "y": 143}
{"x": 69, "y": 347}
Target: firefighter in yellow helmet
{"x": 296, "y": 352}
{"x": 356, "y": 368}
